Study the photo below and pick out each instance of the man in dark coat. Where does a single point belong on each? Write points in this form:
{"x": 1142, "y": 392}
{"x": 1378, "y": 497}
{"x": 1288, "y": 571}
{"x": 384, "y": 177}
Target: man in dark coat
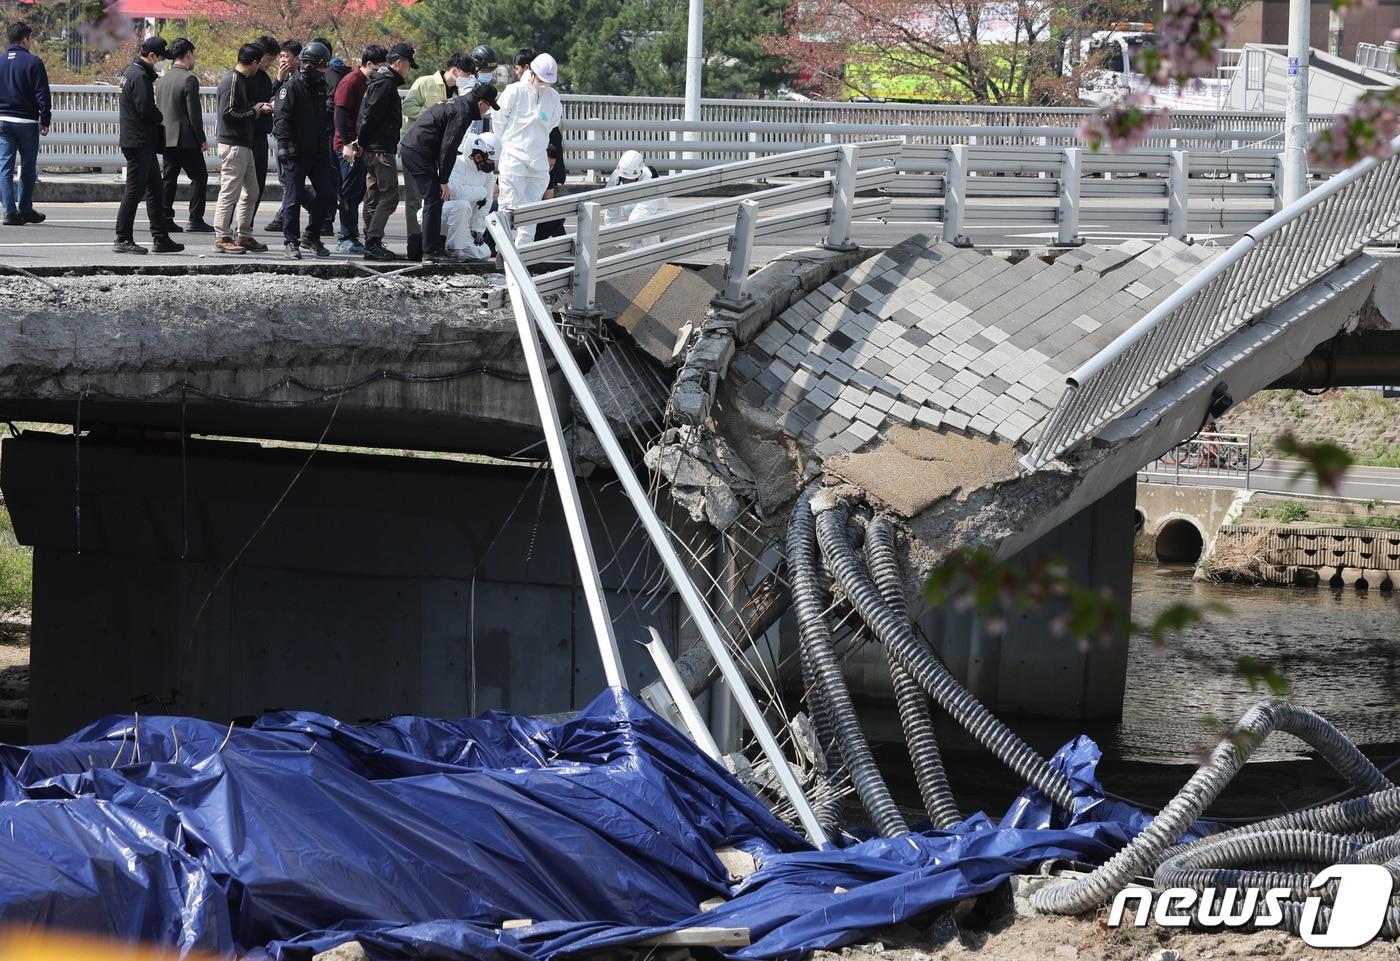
{"x": 377, "y": 141}
{"x": 177, "y": 96}
{"x": 299, "y": 126}
{"x": 141, "y": 139}
{"x": 429, "y": 152}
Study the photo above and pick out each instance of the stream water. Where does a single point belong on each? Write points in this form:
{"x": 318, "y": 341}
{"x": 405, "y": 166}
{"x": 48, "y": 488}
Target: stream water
{"x": 1337, "y": 649}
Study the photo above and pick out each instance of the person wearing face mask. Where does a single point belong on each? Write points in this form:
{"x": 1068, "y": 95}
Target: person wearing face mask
{"x": 530, "y": 110}
{"x": 632, "y": 168}
{"x": 299, "y": 126}
{"x": 377, "y": 141}
{"x": 472, "y": 184}
{"x": 429, "y": 155}
{"x": 428, "y": 91}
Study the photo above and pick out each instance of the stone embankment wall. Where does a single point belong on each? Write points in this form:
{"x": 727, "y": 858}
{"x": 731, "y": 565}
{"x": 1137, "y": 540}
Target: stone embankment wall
{"x": 1362, "y": 557}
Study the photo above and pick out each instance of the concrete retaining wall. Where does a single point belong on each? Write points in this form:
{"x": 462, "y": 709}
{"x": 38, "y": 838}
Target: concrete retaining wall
{"x": 1162, "y": 507}
{"x": 1363, "y": 557}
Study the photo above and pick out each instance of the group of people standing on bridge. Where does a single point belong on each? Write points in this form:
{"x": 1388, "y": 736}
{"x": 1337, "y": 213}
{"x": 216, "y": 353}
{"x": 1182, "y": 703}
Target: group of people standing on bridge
{"x": 342, "y": 135}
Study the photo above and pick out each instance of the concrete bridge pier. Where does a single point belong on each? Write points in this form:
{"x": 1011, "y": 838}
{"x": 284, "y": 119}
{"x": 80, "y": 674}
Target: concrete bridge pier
{"x": 164, "y": 582}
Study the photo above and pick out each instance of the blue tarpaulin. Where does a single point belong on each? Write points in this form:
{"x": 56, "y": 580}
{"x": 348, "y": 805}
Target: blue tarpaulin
{"x": 420, "y": 837}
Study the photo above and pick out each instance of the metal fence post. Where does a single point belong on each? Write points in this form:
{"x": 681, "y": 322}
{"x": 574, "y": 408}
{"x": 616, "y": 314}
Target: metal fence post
{"x": 591, "y": 175}
{"x": 1248, "y": 459}
{"x": 586, "y": 258}
{"x": 736, "y": 272}
{"x": 1069, "y": 198}
{"x": 843, "y": 200}
{"x": 955, "y": 196}
{"x": 1179, "y": 195}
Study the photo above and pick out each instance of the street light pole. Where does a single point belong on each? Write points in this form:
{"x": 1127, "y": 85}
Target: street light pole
{"x": 1295, "y": 134}
{"x": 694, "y": 57}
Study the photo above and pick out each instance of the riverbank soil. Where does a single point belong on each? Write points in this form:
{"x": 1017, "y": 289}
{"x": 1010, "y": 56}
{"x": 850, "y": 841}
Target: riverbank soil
{"x": 1358, "y": 419}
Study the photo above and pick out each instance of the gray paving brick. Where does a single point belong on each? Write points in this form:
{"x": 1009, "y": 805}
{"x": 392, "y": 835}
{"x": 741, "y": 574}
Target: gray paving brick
{"x": 956, "y": 419}
{"x": 864, "y": 379}
{"x": 840, "y": 370}
{"x": 915, "y": 393}
{"x": 881, "y": 402}
{"x": 982, "y": 425}
{"x": 865, "y": 432}
{"x": 908, "y": 369}
{"x": 928, "y": 418}
{"x": 873, "y": 416}
{"x": 887, "y": 387}
{"x": 974, "y": 400}
{"x": 754, "y": 394}
{"x": 903, "y": 412}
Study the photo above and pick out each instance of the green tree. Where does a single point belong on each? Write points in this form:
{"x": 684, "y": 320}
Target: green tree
{"x": 618, "y": 47}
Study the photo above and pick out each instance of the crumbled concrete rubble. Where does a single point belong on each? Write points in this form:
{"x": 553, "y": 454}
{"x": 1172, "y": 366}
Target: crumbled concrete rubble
{"x": 127, "y": 322}
{"x": 631, "y": 392}
{"x": 706, "y": 477}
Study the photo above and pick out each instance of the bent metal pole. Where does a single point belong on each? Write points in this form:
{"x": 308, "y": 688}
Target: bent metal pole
{"x": 568, "y": 491}
{"x": 527, "y": 298}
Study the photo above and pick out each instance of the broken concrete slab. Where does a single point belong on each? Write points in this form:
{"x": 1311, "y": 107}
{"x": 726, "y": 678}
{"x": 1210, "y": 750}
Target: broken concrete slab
{"x": 706, "y": 476}
{"x": 913, "y": 468}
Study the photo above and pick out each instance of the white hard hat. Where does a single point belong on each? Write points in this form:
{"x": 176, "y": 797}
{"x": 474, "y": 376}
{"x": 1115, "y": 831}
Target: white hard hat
{"x": 488, "y": 143}
{"x": 630, "y": 165}
{"x": 545, "y": 67}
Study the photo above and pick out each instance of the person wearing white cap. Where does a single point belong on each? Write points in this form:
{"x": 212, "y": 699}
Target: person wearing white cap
{"x": 632, "y": 168}
{"x": 472, "y": 183}
{"x": 529, "y": 109}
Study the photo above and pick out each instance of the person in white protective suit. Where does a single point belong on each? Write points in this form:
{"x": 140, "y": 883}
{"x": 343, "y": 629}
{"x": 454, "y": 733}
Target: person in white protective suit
{"x": 632, "y": 168}
{"x": 526, "y": 113}
{"x": 472, "y": 184}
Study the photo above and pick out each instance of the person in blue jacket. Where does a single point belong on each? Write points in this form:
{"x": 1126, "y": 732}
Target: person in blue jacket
{"x": 24, "y": 118}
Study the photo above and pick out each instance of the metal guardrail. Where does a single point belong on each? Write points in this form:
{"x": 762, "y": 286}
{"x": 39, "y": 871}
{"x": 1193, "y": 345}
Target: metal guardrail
{"x": 535, "y": 323}
{"x": 1273, "y": 261}
{"x": 732, "y": 222}
{"x": 1377, "y": 56}
{"x": 1211, "y": 454}
{"x": 85, "y": 128}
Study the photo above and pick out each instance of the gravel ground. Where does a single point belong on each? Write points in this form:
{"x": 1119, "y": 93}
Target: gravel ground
{"x": 986, "y": 931}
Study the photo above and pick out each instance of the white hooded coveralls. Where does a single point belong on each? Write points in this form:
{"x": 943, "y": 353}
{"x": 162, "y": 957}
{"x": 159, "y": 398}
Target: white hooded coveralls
{"x": 527, "y": 112}
{"x": 637, "y": 210}
{"x": 465, "y": 214}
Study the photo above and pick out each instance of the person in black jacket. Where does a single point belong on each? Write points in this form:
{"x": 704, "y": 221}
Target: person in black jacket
{"x": 335, "y": 72}
{"x": 260, "y": 90}
{"x": 142, "y": 136}
{"x": 377, "y": 140}
{"x": 429, "y": 153}
{"x": 299, "y": 126}
{"x": 288, "y": 62}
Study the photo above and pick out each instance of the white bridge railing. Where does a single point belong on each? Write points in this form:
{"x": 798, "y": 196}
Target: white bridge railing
{"x": 1273, "y": 261}
{"x": 598, "y": 129}
{"x": 827, "y": 200}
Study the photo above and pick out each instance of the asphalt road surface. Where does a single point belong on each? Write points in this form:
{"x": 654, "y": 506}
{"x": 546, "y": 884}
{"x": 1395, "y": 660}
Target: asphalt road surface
{"x": 1281, "y": 476}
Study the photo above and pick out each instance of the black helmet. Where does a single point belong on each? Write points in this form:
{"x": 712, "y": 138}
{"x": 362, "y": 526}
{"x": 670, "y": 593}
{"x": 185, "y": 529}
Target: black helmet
{"x": 316, "y": 55}
{"x": 484, "y": 56}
